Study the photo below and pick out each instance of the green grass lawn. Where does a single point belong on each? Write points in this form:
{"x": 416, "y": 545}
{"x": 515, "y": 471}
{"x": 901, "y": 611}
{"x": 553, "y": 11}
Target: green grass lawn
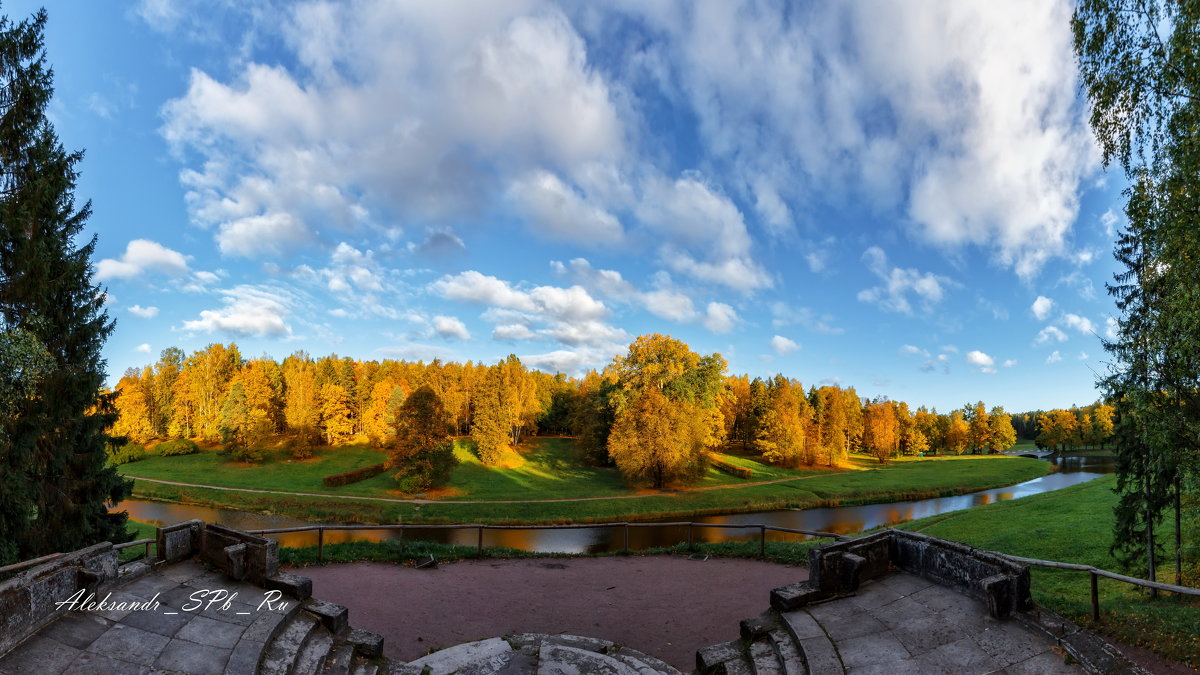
{"x": 550, "y": 472}
{"x": 1075, "y": 525}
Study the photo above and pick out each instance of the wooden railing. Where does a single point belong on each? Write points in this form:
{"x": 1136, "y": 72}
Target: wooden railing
{"x": 762, "y": 531}
{"x": 1095, "y": 573}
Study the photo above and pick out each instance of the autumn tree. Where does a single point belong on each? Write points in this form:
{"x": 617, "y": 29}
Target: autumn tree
{"x": 979, "y": 432}
{"x": 782, "y": 438}
{"x": 667, "y": 411}
{"x": 880, "y": 435}
{"x": 1002, "y": 435}
{"x": 957, "y": 433}
{"x": 1057, "y": 429}
{"x": 421, "y": 454}
{"x": 134, "y": 408}
{"x": 335, "y": 414}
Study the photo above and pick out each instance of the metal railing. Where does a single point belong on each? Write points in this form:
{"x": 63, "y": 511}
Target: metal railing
{"x": 1095, "y": 573}
{"x": 479, "y": 527}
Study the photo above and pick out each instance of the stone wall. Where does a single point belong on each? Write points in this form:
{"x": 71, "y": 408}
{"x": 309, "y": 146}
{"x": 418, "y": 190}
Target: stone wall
{"x": 28, "y": 601}
{"x": 840, "y": 567}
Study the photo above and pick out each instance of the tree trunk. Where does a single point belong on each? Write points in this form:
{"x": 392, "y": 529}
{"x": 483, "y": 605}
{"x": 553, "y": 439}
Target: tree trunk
{"x": 1150, "y": 542}
{"x": 1178, "y": 535}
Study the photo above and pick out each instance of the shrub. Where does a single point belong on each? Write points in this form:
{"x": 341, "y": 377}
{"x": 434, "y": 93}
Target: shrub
{"x": 131, "y": 452}
{"x": 340, "y": 479}
{"x": 731, "y": 469}
{"x": 179, "y": 446}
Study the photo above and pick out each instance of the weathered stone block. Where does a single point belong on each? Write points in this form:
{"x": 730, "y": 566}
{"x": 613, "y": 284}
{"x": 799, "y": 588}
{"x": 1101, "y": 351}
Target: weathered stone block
{"x": 179, "y": 541}
{"x": 293, "y": 585}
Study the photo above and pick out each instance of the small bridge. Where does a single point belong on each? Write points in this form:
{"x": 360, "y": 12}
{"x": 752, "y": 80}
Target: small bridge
{"x": 1035, "y": 454}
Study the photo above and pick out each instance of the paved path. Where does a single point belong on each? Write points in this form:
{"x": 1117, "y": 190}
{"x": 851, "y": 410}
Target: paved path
{"x": 480, "y": 501}
{"x": 178, "y": 636}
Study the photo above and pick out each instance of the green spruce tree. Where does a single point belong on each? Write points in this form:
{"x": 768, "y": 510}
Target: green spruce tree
{"x": 57, "y": 486}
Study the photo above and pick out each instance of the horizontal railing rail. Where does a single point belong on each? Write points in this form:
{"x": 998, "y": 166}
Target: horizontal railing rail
{"x": 1094, "y": 573}
{"x": 29, "y": 563}
{"x": 139, "y": 542}
{"x": 480, "y": 528}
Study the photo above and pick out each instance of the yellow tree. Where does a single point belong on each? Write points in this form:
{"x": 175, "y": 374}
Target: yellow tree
{"x": 980, "y": 430}
{"x": 490, "y": 423}
{"x": 335, "y": 413}
{"x": 957, "y": 432}
{"x": 781, "y": 429}
{"x": 1057, "y": 429}
{"x": 833, "y": 425}
{"x": 1002, "y": 435}
{"x": 667, "y": 411}
{"x": 133, "y": 409}
{"x": 879, "y": 429}
{"x": 375, "y": 424}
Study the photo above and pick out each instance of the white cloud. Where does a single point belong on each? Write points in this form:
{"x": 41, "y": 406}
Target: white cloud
{"x": 608, "y": 283}
{"x": 1050, "y": 333}
{"x": 719, "y": 317}
{"x": 249, "y": 311}
{"x": 899, "y": 283}
{"x": 1041, "y": 307}
{"x": 142, "y": 255}
{"x": 911, "y": 350}
{"x": 782, "y": 345}
{"x": 668, "y": 304}
{"x": 576, "y": 333}
{"x": 1083, "y": 356}
{"x": 144, "y": 312}
{"x": 1111, "y": 328}
{"x": 1109, "y": 219}
{"x": 513, "y": 331}
{"x": 1082, "y": 324}
{"x": 1054, "y": 357}
{"x": 471, "y": 286}
{"x": 962, "y": 115}
{"x": 143, "y": 348}
{"x": 450, "y": 327}
{"x": 393, "y": 112}
{"x": 555, "y": 210}
{"x": 1009, "y": 363}
{"x": 983, "y": 362}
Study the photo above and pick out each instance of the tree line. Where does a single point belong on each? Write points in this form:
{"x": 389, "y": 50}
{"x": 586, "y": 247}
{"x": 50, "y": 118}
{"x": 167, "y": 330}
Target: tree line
{"x": 654, "y": 412}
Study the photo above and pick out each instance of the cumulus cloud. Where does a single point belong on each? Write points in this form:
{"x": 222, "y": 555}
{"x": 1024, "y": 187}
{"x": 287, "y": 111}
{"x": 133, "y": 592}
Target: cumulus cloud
{"x": 143, "y": 348}
{"x": 1082, "y": 324}
{"x": 1050, "y": 333}
{"x": 669, "y": 304}
{"x": 1054, "y": 357}
{"x": 142, "y": 255}
{"x": 911, "y": 350}
{"x": 983, "y": 362}
{"x": 719, "y": 317}
{"x": 394, "y": 111}
{"x": 782, "y": 345}
{"x": 607, "y": 283}
{"x": 1009, "y": 363}
{"x": 899, "y": 284}
{"x": 557, "y": 211}
{"x": 1041, "y": 307}
{"x": 249, "y": 311}
{"x": 144, "y": 312}
{"x": 450, "y": 327}
{"x": 513, "y": 331}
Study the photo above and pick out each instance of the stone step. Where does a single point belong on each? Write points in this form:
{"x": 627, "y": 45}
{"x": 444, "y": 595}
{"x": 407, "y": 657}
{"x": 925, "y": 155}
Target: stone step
{"x": 763, "y": 659}
{"x": 709, "y": 658}
{"x": 739, "y": 666}
{"x": 759, "y": 626}
{"x": 794, "y": 596}
{"x": 820, "y": 656}
{"x": 789, "y": 652}
{"x": 643, "y": 663}
{"x": 310, "y": 660}
{"x": 280, "y": 654}
{"x": 364, "y": 667}
{"x": 555, "y": 659}
{"x": 340, "y": 660}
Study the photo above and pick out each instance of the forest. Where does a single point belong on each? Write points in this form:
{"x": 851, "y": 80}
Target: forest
{"x": 655, "y": 413}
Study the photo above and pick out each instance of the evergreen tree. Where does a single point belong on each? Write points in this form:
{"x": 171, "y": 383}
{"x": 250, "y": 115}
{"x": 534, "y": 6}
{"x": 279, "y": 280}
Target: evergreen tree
{"x": 422, "y": 454}
{"x": 58, "y": 487}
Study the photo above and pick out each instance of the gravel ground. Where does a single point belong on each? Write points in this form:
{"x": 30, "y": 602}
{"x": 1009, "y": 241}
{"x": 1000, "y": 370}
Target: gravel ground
{"x": 667, "y": 607}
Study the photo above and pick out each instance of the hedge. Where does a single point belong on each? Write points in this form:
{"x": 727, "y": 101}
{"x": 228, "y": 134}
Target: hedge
{"x": 340, "y": 479}
{"x": 731, "y": 469}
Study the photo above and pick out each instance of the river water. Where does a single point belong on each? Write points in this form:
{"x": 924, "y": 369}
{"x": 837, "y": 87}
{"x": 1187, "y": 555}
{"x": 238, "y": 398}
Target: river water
{"x": 842, "y": 520}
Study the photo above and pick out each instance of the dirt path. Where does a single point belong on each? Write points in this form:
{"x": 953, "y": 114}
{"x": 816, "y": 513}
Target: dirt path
{"x": 667, "y": 607}
{"x": 481, "y": 501}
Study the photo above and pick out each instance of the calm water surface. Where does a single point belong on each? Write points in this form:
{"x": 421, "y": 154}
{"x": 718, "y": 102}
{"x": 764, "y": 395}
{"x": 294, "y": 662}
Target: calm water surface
{"x": 842, "y": 520}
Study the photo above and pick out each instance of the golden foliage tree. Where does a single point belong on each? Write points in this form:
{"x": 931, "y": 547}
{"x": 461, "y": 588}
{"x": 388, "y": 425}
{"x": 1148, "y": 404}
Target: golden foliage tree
{"x": 335, "y": 414}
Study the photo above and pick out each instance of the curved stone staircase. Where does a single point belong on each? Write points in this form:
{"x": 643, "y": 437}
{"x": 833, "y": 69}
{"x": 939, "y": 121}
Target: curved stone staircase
{"x": 773, "y": 643}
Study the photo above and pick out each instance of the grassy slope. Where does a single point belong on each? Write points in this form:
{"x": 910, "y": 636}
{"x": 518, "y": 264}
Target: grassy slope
{"x": 548, "y": 474}
{"x": 1075, "y": 525}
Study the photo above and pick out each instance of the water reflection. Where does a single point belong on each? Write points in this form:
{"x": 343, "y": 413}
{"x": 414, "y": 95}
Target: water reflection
{"x": 839, "y": 520}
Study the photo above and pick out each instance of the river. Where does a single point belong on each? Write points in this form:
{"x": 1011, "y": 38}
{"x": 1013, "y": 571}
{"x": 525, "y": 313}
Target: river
{"x": 842, "y": 520}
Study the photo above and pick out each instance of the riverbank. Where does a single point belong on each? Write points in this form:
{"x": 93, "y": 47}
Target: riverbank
{"x": 1075, "y": 525}
{"x": 897, "y": 481}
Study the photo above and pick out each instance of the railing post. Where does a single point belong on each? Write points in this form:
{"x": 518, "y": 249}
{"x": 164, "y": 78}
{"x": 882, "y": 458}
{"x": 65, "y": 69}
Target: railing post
{"x": 147, "y": 551}
{"x": 1095, "y": 598}
{"x": 691, "y": 545}
{"x": 320, "y": 545}
{"x": 480, "y": 547}
{"x": 626, "y": 537}
{"x": 762, "y": 541}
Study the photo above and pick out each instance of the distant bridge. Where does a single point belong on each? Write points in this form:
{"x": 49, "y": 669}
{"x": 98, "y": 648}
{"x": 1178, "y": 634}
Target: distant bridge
{"x": 1035, "y": 454}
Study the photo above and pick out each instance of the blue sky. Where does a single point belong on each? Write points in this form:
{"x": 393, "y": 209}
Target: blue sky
{"x": 904, "y": 198}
